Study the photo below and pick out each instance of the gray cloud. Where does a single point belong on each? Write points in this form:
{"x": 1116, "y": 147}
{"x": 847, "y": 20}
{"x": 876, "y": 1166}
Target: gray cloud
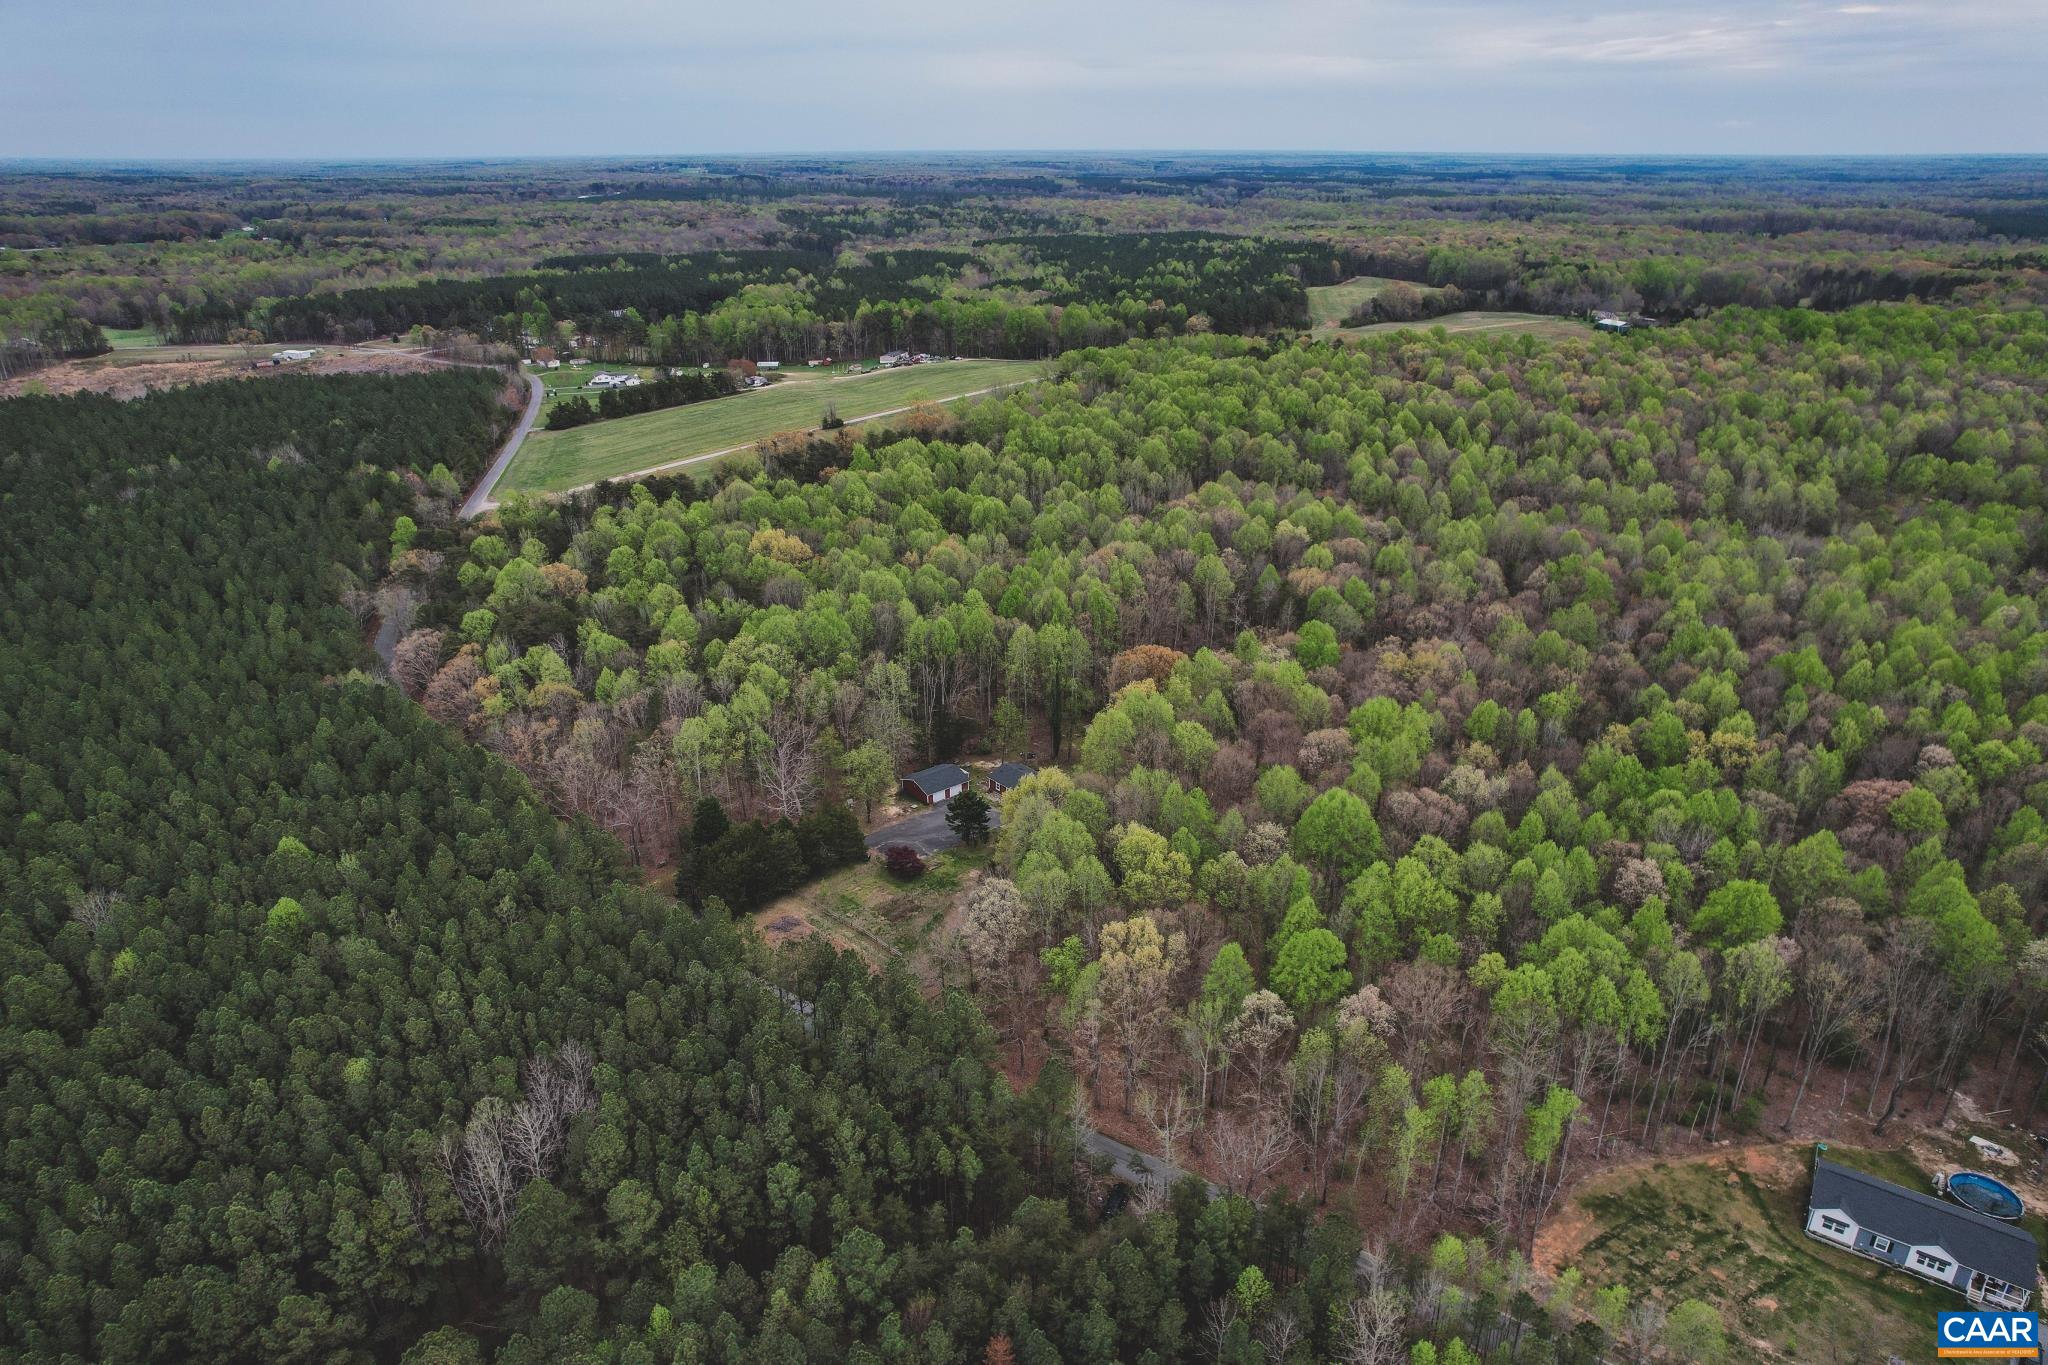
{"x": 462, "y": 77}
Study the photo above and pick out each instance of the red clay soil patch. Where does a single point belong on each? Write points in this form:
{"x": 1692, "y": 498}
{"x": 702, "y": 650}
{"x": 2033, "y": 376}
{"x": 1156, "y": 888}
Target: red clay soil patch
{"x": 1564, "y": 1235}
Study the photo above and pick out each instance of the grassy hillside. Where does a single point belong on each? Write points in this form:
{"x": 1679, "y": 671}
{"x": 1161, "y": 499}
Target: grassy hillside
{"x": 553, "y": 461}
{"x": 1330, "y": 304}
{"x": 1730, "y": 1230}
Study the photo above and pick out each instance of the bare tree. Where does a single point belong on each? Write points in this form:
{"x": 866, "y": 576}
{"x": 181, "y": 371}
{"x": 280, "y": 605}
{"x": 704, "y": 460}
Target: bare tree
{"x": 1916, "y": 1007}
{"x": 481, "y": 1169}
{"x": 1217, "y": 1320}
{"x": 505, "y": 1145}
{"x": 414, "y": 659}
{"x": 1426, "y": 999}
{"x": 787, "y": 765}
{"x": 1250, "y": 1146}
{"x": 1257, "y": 1038}
{"x": 94, "y": 907}
{"x": 1170, "y": 1115}
{"x": 1835, "y": 978}
{"x": 1373, "y": 1327}
{"x": 995, "y": 926}
{"x": 1644, "y": 1328}
{"x": 1279, "y": 1332}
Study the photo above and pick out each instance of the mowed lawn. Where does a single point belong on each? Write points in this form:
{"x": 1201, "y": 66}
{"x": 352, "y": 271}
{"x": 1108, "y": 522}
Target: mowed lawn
{"x": 555, "y": 461}
{"x": 1731, "y": 1230}
{"x": 1538, "y": 323}
{"x": 129, "y": 338}
{"x": 571, "y": 380}
{"x": 1330, "y": 304}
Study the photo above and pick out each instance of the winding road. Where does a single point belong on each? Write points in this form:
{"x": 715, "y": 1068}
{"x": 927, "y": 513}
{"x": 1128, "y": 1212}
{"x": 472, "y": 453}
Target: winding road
{"x": 479, "y": 500}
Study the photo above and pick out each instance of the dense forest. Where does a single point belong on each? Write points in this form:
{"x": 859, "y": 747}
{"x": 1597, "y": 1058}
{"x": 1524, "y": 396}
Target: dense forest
{"x": 1468, "y": 763}
{"x": 325, "y": 1041}
{"x": 780, "y": 259}
{"x": 1474, "y": 752}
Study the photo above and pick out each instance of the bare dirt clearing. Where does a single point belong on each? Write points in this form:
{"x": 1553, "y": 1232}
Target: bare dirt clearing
{"x": 134, "y": 372}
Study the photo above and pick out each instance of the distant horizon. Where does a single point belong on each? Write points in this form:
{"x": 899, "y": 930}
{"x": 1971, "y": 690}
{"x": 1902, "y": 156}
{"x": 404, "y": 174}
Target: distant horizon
{"x": 470, "y": 80}
{"x": 913, "y": 154}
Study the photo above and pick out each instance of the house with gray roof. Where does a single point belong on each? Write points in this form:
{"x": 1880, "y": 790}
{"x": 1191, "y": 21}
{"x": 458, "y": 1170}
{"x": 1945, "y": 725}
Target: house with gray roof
{"x": 940, "y": 782}
{"x": 1991, "y": 1263}
{"x": 1008, "y": 775}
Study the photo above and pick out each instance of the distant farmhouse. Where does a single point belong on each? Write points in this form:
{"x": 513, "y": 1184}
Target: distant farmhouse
{"x": 1991, "y": 1263}
{"x": 601, "y": 380}
{"x": 289, "y": 356}
{"x": 941, "y": 782}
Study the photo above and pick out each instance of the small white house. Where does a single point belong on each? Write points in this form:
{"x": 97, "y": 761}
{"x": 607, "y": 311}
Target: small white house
{"x": 602, "y": 380}
{"x": 767, "y": 364}
{"x": 1610, "y": 324}
{"x": 941, "y": 782}
{"x": 290, "y": 356}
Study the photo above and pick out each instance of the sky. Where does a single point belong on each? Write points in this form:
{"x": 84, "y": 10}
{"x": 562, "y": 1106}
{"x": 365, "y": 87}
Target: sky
{"x": 152, "y": 79}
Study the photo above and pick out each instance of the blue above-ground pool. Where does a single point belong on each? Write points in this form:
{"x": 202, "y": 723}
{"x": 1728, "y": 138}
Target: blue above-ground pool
{"x": 1980, "y": 1192}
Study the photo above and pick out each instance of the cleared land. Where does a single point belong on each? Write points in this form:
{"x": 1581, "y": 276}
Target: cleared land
{"x": 1330, "y": 304}
{"x": 570, "y": 381}
{"x": 555, "y": 461}
{"x": 135, "y": 370}
{"x": 1730, "y": 1229}
{"x": 865, "y": 910}
{"x": 1477, "y": 321}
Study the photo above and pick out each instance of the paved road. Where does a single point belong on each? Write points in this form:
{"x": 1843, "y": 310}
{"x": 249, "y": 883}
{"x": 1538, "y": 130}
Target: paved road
{"x": 479, "y": 500}
{"x": 1130, "y": 1164}
{"x": 927, "y": 831}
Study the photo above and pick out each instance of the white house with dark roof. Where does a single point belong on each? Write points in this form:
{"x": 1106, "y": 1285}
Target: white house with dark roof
{"x": 940, "y": 782}
{"x": 1989, "y": 1262}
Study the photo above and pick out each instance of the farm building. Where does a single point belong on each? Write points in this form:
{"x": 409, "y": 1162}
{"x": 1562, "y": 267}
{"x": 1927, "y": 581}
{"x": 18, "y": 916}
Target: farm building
{"x": 1610, "y": 324}
{"x": 1008, "y": 775}
{"x": 767, "y": 364}
{"x": 287, "y": 357}
{"x": 894, "y": 358}
{"x": 941, "y": 782}
{"x": 1988, "y": 1262}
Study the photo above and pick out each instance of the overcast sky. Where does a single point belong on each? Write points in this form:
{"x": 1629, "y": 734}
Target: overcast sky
{"x": 382, "y": 78}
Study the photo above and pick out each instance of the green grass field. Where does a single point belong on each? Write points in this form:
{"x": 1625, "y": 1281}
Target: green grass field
{"x": 128, "y": 338}
{"x": 1732, "y": 1232}
{"x": 555, "y": 461}
{"x": 1536, "y": 323}
{"x": 1330, "y": 304}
